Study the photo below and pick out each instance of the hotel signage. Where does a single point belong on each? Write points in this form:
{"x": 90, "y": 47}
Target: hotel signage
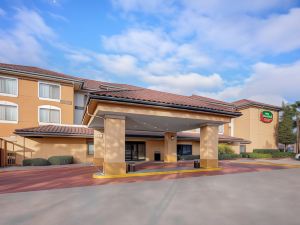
{"x": 266, "y": 116}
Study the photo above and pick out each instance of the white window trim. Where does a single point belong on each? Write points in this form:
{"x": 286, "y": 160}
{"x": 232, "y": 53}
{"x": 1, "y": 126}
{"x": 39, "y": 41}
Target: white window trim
{"x": 48, "y": 107}
{"x": 49, "y": 99}
{"x": 10, "y": 104}
{"x": 222, "y": 132}
{"x": 11, "y": 95}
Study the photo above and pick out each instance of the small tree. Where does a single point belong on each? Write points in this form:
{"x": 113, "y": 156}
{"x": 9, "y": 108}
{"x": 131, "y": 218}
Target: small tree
{"x": 286, "y": 134}
{"x": 296, "y": 107}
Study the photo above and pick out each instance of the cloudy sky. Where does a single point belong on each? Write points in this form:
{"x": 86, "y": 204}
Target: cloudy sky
{"x": 225, "y": 49}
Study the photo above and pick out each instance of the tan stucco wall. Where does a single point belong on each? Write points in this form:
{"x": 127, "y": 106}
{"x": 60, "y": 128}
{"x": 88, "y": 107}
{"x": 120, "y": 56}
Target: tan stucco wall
{"x": 46, "y": 147}
{"x": 28, "y": 102}
{"x": 249, "y": 127}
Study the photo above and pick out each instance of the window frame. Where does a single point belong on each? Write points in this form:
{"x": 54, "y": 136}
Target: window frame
{"x": 11, "y": 95}
{"x": 10, "y": 104}
{"x": 222, "y": 129}
{"x": 49, "y": 99}
{"x": 48, "y": 107}
{"x": 87, "y": 148}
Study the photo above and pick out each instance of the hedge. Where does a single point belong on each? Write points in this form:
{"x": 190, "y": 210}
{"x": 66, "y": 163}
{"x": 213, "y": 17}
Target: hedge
{"x": 259, "y": 155}
{"x": 283, "y": 154}
{"x": 188, "y": 157}
{"x": 226, "y": 156}
{"x": 244, "y": 155}
{"x": 61, "y": 160}
{"x": 225, "y": 149}
{"x": 35, "y": 162}
{"x": 266, "y": 151}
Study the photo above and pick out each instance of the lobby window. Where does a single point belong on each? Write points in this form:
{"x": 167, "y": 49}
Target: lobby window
{"x": 49, "y": 114}
{"x": 49, "y": 91}
{"x": 242, "y": 148}
{"x": 90, "y": 148}
{"x": 8, "y": 86}
{"x": 184, "y": 149}
{"x": 8, "y": 112}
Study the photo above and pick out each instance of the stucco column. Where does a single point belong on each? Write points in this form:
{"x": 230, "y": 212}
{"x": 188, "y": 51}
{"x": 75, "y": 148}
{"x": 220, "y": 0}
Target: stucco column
{"x": 114, "y": 155}
{"x": 170, "y": 151}
{"x": 99, "y": 147}
{"x": 209, "y": 146}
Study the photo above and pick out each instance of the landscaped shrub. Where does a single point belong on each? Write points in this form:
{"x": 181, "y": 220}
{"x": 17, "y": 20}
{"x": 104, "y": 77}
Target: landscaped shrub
{"x": 266, "y": 151}
{"x": 61, "y": 160}
{"x": 188, "y": 157}
{"x": 259, "y": 155}
{"x": 283, "y": 154}
{"x": 244, "y": 155}
{"x": 225, "y": 149}
{"x": 226, "y": 156}
{"x": 35, "y": 162}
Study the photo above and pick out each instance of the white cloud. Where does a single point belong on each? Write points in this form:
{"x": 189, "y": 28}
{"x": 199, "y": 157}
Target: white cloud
{"x": 119, "y": 65}
{"x": 21, "y": 44}
{"x": 184, "y": 83}
{"x": 152, "y": 6}
{"x": 268, "y": 83}
{"x": 146, "y": 44}
{"x": 242, "y": 33}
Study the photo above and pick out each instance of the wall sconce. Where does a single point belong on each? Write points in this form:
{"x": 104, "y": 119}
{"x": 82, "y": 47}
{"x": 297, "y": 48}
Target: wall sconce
{"x": 172, "y": 138}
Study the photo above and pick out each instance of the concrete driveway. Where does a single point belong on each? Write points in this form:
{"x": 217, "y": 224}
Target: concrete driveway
{"x": 268, "y": 197}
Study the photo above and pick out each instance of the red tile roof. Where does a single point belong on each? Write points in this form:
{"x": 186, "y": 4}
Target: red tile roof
{"x": 56, "y": 130}
{"x": 246, "y": 103}
{"x": 80, "y": 131}
{"x": 37, "y": 70}
{"x": 152, "y": 96}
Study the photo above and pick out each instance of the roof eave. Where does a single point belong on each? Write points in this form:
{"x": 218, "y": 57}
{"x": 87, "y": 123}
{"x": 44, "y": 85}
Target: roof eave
{"x": 142, "y": 102}
{"x": 33, "y": 74}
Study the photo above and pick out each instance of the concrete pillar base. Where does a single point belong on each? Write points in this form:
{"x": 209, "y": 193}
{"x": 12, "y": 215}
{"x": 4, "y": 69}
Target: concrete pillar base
{"x": 116, "y": 168}
{"x": 98, "y": 162}
{"x": 170, "y": 158}
{"x": 209, "y": 163}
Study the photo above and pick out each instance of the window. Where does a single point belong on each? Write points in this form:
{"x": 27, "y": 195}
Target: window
{"x": 184, "y": 149}
{"x": 49, "y": 114}
{"x": 49, "y": 91}
{"x": 242, "y": 148}
{"x": 90, "y": 148}
{"x": 8, "y": 86}
{"x": 79, "y": 103}
{"x": 8, "y": 112}
{"x": 221, "y": 129}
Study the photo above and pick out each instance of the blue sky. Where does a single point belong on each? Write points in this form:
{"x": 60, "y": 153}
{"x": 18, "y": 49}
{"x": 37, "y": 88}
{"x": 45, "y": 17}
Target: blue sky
{"x": 225, "y": 49}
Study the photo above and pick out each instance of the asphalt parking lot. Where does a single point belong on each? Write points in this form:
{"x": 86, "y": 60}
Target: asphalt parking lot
{"x": 266, "y": 197}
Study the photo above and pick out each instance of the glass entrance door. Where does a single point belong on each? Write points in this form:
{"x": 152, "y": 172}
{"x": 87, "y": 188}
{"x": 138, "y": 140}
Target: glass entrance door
{"x": 135, "y": 151}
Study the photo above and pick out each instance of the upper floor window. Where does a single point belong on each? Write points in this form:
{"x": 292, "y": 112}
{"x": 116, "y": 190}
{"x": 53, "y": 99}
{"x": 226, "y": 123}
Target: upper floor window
{"x": 221, "y": 129}
{"x": 49, "y": 114}
{"x": 8, "y": 86}
{"x": 48, "y": 91}
{"x": 8, "y": 112}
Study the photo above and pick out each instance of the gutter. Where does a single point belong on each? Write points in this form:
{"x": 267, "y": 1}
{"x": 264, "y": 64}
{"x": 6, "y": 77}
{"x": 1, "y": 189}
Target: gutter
{"x": 33, "y": 74}
{"x": 143, "y": 102}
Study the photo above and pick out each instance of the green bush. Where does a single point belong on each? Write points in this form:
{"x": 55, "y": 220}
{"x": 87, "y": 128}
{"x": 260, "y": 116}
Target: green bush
{"x": 226, "y": 156}
{"x": 188, "y": 157}
{"x": 61, "y": 160}
{"x": 259, "y": 155}
{"x": 35, "y": 162}
{"x": 283, "y": 154}
{"x": 266, "y": 151}
{"x": 244, "y": 155}
{"x": 225, "y": 149}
